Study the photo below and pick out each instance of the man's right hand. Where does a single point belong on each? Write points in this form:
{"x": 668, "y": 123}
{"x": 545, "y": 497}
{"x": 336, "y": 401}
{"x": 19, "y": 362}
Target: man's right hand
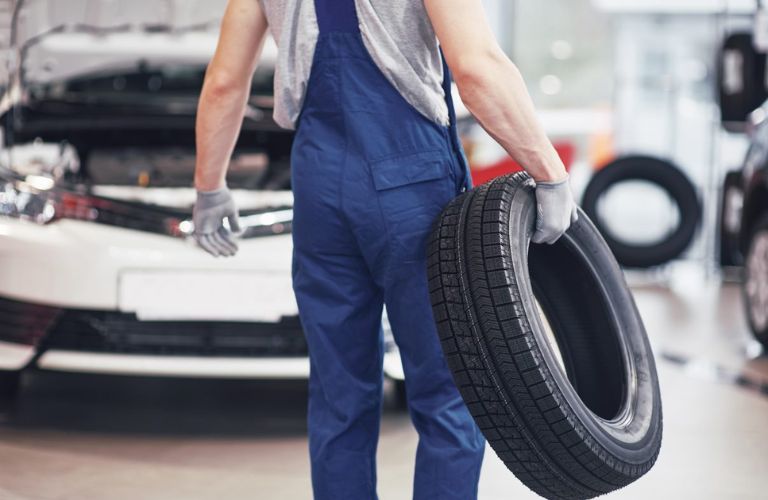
{"x": 494, "y": 91}
{"x": 211, "y": 208}
{"x": 556, "y": 210}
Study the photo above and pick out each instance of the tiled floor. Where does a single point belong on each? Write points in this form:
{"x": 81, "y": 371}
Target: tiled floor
{"x": 95, "y": 438}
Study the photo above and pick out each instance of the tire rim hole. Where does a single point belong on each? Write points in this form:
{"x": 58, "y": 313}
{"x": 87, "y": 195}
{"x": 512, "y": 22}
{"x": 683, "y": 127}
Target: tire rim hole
{"x": 584, "y": 337}
{"x": 638, "y": 212}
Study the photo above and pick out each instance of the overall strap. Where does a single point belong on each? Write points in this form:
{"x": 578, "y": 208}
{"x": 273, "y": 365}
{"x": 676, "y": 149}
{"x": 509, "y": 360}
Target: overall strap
{"x": 447, "y": 81}
{"x": 336, "y": 16}
{"x": 454, "y": 132}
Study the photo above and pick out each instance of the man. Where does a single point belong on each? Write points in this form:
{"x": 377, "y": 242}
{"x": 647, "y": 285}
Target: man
{"x": 375, "y": 159}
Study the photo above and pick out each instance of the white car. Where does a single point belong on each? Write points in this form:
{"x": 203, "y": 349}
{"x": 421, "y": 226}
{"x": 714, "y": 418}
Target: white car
{"x": 98, "y": 272}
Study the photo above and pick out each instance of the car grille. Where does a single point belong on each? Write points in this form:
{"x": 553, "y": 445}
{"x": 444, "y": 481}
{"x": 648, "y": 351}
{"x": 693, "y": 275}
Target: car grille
{"x": 123, "y": 333}
{"x": 25, "y": 323}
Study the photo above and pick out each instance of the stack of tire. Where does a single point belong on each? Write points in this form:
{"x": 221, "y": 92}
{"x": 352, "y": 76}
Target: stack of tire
{"x": 545, "y": 343}
{"x": 742, "y": 88}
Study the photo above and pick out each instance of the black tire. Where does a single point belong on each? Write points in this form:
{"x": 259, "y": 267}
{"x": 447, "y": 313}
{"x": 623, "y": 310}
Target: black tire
{"x": 741, "y": 76}
{"x": 541, "y": 420}
{"x": 756, "y": 280}
{"x": 667, "y": 177}
{"x": 729, "y": 220}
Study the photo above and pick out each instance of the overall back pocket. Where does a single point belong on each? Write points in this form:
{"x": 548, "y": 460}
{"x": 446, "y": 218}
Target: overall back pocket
{"x": 413, "y": 189}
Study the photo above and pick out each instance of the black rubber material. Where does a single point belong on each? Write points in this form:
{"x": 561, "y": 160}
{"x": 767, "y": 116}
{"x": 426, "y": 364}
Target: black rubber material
{"x": 10, "y": 382}
{"x": 760, "y": 335}
{"x": 400, "y": 395}
{"x": 736, "y": 104}
{"x": 728, "y": 241}
{"x": 667, "y": 177}
{"x": 575, "y": 433}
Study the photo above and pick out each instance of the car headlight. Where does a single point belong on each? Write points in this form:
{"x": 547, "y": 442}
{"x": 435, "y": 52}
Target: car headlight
{"x": 37, "y": 199}
{"x": 26, "y": 200}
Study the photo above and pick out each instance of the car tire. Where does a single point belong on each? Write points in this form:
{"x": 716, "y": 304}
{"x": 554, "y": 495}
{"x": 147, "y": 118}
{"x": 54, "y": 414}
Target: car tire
{"x": 667, "y": 177}
{"x": 731, "y": 203}
{"x": 575, "y": 431}
{"x": 741, "y": 76}
{"x": 755, "y": 283}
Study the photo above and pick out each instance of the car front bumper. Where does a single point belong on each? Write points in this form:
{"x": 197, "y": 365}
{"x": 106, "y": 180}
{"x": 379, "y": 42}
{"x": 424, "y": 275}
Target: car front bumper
{"x": 79, "y": 296}
{"x": 80, "y": 264}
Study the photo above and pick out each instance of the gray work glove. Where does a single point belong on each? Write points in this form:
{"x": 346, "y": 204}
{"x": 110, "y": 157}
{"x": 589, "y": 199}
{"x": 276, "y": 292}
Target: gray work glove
{"x": 211, "y": 208}
{"x": 555, "y": 211}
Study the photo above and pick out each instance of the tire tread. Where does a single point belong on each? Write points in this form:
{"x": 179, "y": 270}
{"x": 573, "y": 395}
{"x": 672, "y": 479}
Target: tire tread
{"x": 496, "y": 361}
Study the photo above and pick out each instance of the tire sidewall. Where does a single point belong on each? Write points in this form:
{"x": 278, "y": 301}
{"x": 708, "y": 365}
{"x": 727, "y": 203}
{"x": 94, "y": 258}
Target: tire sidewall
{"x": 635, "y": 439}
{"x": 760, "y": 335}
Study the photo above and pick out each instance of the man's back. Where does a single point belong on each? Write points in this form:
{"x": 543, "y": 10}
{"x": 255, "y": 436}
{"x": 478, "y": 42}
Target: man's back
{"x": 397, "y": 34}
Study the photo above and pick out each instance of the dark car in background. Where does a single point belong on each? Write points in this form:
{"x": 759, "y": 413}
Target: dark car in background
{"x": 753, "y": 227}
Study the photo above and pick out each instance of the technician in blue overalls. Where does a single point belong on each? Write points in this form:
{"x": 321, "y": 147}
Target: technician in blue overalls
{"x": 375, "y": 159}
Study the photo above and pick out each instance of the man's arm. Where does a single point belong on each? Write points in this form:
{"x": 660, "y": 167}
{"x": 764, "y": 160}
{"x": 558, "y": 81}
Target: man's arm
{"x": 492, "y": 87}
{"x": 493, "y": 90}
{"x": 226, "y": 89}
{"x": 219, "y": 119}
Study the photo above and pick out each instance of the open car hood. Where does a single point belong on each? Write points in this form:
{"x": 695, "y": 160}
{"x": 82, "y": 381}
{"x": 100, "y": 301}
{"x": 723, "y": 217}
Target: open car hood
{"x": 62, "y": 40}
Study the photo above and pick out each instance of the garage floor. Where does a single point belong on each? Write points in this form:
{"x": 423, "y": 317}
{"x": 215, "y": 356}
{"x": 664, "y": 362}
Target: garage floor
{"x": 86, "y": 437}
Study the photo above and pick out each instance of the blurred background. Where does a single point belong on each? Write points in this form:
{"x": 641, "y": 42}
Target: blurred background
{"x": 121, "y": 378}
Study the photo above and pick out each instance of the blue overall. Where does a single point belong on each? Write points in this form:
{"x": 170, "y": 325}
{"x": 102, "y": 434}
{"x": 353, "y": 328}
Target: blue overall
{"x": 370, "y": 176}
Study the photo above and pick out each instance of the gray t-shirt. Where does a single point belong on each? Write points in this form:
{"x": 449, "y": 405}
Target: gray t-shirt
{"x": 397, "y": 34}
